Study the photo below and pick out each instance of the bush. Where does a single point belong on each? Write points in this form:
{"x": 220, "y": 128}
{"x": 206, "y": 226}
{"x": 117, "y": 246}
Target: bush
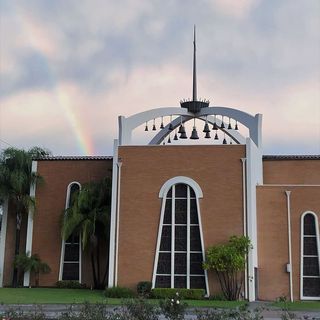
{"x": 165, "y": 293}
{"x": 173, "y": 309}
{"x": 119, "y": 292}
{"x": 144, "y": 288}
{"x": 70, "y": 284}
{"x": 139, "y": 309}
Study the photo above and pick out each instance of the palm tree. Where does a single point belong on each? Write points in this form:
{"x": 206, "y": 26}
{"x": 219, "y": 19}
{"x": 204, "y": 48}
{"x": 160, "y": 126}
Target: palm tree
{"x": 33, "y": 264}
{"x": 89, "y": 217}
{"x": 15, "y": 181}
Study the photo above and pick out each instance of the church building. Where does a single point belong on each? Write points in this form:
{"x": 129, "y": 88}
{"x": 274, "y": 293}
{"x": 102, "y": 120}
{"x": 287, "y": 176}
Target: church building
{"x": 172, "y": 201}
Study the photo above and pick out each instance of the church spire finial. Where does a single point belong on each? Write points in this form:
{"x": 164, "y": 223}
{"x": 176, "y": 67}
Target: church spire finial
{"x": 194, "y": 87}
{"x": 194, "y": 105}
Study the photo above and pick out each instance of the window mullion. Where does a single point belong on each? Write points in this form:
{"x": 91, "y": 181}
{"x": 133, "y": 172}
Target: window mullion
{"x": 188, "y": 237}
{"x": 173, "y": 206}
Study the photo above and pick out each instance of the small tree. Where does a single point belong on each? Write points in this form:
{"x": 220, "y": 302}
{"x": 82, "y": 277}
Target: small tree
{"x": 33, "y": 264}
{"x": 228, "y": 261}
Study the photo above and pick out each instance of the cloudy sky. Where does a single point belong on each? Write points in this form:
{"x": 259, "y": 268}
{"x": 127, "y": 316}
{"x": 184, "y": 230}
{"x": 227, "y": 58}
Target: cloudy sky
{"x": 68, "y": 68}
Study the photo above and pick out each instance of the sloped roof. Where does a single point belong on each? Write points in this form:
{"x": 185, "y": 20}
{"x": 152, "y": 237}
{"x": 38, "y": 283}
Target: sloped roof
{"x": 291, "y": 157}
{"x": 57, "y": 158}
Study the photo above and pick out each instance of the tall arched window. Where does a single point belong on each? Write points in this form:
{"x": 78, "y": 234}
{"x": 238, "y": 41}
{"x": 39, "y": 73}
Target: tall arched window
{"x": 180, "y": 254}
{"x": 310, "y": 257}
{"x": 70, "y": 268}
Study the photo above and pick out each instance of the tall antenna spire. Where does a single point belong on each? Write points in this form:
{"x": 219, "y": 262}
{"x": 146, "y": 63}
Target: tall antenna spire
{"x": 194, "y": 87}
{"x": 194, "y": 105}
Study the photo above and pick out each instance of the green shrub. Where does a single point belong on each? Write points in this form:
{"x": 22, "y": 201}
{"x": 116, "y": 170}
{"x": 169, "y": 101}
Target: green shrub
{"x": 165, "y": 293}
{"x": 140, "y": 309}
{"x": 174, "y": 308}
{"x": 119, "y": 292}
{"x": 144, "y": 288}
{"x": 70, "y": 284}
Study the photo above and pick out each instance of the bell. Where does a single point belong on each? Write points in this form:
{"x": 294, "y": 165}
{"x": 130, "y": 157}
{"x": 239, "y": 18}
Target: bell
{"x": 154, "y": 127}
{"x": 170, "y": 126}
{"x": 216, "y": 136}
{"x": 175, "y": 136}
{"x": 183, "y": 135}
{"x": 224, "y": 141}
{"x": 229, "y": 126}
{"x": 222, "y": 125}
{"x": 236, "y": 127}
{"x": 169, "y": 140}
{"x": 194, "y": 134}
{"x": 146, "y": 128}
{"x": 161, "y": 125}
{"x": 215, "y": 127}
{"x": 181, "y": 128}
{"x": 207, "y": 136}
{"x": 206, "y": 128}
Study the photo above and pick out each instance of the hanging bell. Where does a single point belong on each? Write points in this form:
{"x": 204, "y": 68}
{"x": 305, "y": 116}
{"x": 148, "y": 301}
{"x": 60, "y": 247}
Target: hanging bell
{"x": 175, "y": 136}
{"x": 181, "y": 128}
{"x": 154, "y": 127}
{"x": 229, "y": 126}
{"x": 146, "y": 128}
{"x": 161, "y": 125}
{"x": 207, "y": 136}
{"x": 183, "y": 134}
{"x": 222, "y": 125}
{"x": 224, "y": 141}
{"x": 236, "y": 127}
{"x": 169, "y": 140}
{"x": 216, "y": 136}
{"x": 206, "y": 128}
{"x": 194, "y": 134}
{"x": 215, "y": 127}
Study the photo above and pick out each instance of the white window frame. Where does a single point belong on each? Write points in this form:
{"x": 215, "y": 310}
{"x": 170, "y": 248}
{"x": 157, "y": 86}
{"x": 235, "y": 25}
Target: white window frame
{"x": 163, "y": 194}
{"x": 302, "y": 297}
{"x": 63, "y": 241}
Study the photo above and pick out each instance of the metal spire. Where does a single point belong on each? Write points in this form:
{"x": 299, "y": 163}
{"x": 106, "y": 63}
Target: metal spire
{"x": 194, "y": 87}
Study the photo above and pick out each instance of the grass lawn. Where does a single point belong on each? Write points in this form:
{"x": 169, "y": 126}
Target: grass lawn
{"x": 69, "y": 296}
{"x": 299, "y": 305}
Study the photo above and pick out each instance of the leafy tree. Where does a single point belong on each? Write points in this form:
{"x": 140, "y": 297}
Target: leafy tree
{"x": 15, "y": 181}
{"x": 89, "y": 216}
{"x": 33, "y": 264}
{"x": 228, "y": 261}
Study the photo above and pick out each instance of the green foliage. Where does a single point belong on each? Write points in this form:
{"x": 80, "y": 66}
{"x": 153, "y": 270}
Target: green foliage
{"x": 165, "y": 293}
{"x": 144, "y": 288}
{"x": 119, "y": 292}
{"x": 228, "y": 260}
{"x": 173, "y": 308}
{"x": 70, "y": 284}
{"x": 140, "y": 309}
{"x": 89, "y": 216}
{"x": 19, "y": 314}
{"x": 31, "y": 263}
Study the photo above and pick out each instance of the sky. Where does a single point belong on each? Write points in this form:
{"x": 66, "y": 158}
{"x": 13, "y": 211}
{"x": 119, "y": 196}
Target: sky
{"x": 69, "y": 68}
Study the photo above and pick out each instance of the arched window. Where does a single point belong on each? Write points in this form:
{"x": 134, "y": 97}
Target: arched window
{"x": 180, "y": 254}
{"x": 70, "y": 268}
{"x": 310, "y": 261}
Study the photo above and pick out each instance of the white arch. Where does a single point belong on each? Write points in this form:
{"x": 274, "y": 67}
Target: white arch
{"x": 180, "y": 179}
{"x": 302, "y": 297}
{"x": 127, "y": 125}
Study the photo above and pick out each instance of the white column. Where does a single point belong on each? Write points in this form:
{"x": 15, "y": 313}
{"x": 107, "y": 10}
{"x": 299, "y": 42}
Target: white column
{"x": 26, "y": 279}
{"x": 289, "y": 266}
{"x": 113, "y": 217}
{"x": 3, "y": 239}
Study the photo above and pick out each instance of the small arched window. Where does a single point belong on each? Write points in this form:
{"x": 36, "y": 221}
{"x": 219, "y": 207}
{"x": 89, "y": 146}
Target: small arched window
{"x": 180, "y": 254}
{"x": 71, "y": 248}
{"x": 310, "y": 257}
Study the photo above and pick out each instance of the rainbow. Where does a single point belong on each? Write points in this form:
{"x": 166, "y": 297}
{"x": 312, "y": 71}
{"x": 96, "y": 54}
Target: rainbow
{"x": 39, "y": 40}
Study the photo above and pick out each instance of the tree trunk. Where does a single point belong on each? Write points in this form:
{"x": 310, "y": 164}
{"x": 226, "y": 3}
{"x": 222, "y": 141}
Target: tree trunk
{"x": 17, "y": 247}
{"x": 93, "y": 270}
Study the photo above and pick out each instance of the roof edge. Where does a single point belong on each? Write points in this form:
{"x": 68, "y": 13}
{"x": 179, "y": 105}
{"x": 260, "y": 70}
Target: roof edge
{"x": 290, "y": 157}
{"x": 58, "y": 158}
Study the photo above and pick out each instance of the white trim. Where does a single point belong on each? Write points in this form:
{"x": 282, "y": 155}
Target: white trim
{"x": 119, "y": 164}
{"x": 289, "y": 243}
{"x": 3, "y": 239}
{"x": 171, "y": 183}
{"x": 113, "y": 216}
{"x": 244, "y": 199}
{"x": 180, "y": 179}
{"x": 63, "y": 243}
{"x": 26, "y": 277}
{"x": 302, "y": 297}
